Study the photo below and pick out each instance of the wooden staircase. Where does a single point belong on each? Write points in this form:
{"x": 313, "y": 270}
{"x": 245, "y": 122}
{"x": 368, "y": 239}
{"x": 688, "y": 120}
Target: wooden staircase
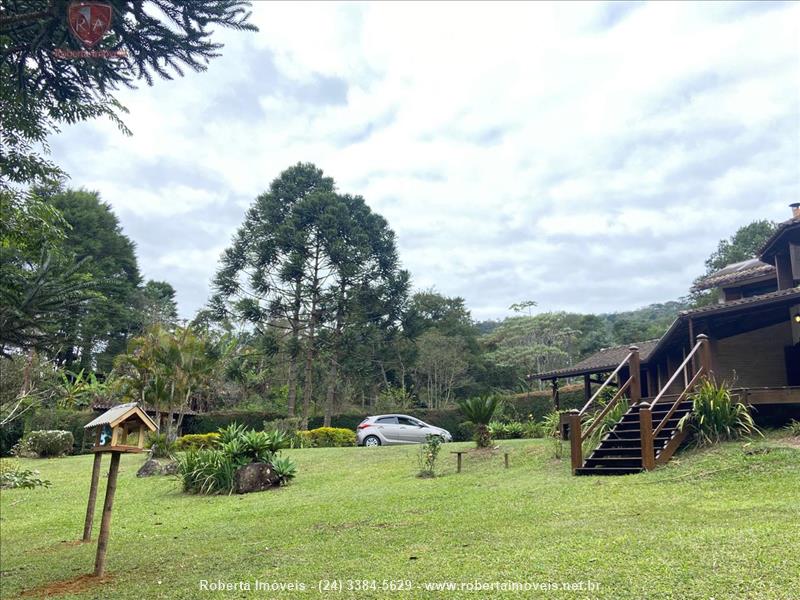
{"x": 647, "y": 435}
{"x": 620, "y": 450}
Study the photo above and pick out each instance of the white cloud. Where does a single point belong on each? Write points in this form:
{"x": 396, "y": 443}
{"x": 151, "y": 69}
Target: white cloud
{"x": 493, "y": 137}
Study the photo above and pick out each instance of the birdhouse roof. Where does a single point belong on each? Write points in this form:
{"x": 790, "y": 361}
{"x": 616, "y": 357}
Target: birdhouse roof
{"x": 122, "y": 412}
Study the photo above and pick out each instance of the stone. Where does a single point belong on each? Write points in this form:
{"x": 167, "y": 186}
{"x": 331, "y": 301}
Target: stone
{"x": 255, "y": 477}
{"x": 154, "y": 466}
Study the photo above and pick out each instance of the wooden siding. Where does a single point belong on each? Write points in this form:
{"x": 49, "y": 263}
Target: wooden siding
{"x": 753, "y": 359}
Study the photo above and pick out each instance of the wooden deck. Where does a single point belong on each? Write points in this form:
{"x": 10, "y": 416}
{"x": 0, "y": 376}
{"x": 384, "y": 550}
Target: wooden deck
{"x": 769, "y": 395}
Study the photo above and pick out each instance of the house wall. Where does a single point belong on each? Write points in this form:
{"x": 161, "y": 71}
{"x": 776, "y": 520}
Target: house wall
{"x": 753, "y": 359}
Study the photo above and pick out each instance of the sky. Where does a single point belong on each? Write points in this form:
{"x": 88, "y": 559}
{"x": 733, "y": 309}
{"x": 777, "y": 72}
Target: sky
{"x": 587, "y": 156}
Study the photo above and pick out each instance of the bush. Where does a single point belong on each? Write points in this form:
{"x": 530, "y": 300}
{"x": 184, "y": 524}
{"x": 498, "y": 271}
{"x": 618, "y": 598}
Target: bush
{"x": 46, "y": 444}
{"x": 63, "y": 420}
{"x": 290, "y": 427}
{"x": 329, "y": 437}
{"x": 717, "y": 416}
{"x": 12, "y": 476}
{"x": 285, "y": 468}
{"x": 427, "y": 455}
{"x": 10, "y": 435}
{"x": 197, "y": 441}
{"x": 213, "y": 470}
{"x": 160, "y": 446}
{"x": 464, "y": 431}
{"x": 793, "y": 427}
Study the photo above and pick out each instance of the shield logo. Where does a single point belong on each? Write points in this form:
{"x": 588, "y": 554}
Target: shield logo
{"x": 89, "y": 21}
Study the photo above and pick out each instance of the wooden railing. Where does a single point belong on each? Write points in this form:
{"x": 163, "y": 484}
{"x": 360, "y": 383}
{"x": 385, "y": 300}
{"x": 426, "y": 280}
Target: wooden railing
{"x": 702, "y": 350}
{"x": 574, "y": 417}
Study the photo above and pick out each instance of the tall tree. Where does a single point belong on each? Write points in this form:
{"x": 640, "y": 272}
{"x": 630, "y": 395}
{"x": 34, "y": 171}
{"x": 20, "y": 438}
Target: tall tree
{"x": 158, "y": 303}
{"x": 95, "y": 333}
{"x": 263, "y": 276}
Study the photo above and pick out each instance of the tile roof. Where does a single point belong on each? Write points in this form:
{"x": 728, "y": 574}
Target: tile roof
{"x": 606, "y": 359}
{"x": 741, "y": 271}
{"x": 782, "y": 227}
{"x": 734, "y": 304}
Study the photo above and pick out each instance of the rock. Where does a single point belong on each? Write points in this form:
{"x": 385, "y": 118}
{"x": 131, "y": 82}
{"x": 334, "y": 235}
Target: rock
{"x": 255, "y": 477}
{"x": 153, "y": 466}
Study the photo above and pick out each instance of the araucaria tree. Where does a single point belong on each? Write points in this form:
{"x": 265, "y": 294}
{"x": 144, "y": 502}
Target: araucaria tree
{"x": 317, "y": 266}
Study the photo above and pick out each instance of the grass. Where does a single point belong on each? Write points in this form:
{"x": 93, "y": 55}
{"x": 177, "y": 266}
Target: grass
{"x": 720, "y": 522}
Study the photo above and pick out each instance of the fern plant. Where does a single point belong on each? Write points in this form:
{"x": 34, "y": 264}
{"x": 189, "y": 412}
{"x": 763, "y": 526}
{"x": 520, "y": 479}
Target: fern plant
{"x": 717, "y": 416}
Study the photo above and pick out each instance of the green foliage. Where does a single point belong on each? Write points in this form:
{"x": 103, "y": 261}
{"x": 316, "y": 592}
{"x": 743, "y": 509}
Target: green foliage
{"x": 793, "y": 427}
{"x": 285, "y": 468}
{"x": 480, "y": 410}
{"x": 232, "y": 432}
{"x": 160, "y": 445}
{"x": 13, "y": 476}
{"x": 213, "y": 470}
{"x": 516, "y": 430}
{"x": 46, "y": 444}
{"x": 427, "y": 455}
{"x": 328, "y": 437}
{"x": 717, "y": 416}
{"x": 62, "y": 419}
{"x": 197, "y": 441}
{"x": 207, "y": 472}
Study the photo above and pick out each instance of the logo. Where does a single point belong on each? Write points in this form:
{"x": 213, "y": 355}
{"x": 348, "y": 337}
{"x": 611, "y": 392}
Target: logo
{"x": 89, "y": 21}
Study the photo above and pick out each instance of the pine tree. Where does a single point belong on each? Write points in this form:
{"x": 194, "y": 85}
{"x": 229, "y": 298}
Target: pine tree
{"x": 39, "y": 91}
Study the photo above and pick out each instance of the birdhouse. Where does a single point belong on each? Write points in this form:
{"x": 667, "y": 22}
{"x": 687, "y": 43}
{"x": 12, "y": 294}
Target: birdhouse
{"x": 121, "y": 429}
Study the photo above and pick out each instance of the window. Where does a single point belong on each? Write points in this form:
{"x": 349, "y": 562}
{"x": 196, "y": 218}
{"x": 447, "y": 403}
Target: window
{"x": 387, "y": 421}
{"x": 407, "y": 421}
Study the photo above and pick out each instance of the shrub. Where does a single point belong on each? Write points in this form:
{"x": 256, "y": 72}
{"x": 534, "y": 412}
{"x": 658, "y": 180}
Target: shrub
{"x": 480, "y": 411}
{"x": 160, "y": 446}
{"x": 533, "y": 429}
{"x": 213, "y": 470}
{"x": 290, "y": 427}
{"x": 207, "y": 472}
{"x": 717, "y": 416}
{"x": 427, "y": 455}
{"x": 12, "y": 476}
{"x": 464, "y": 431}
{"x": 328, "y": 437}
{"x": 46, "y": 444}
{"x": 285, "y": 468}
{"x": 197, "y": 441}
{"x": 63, "y": 420}
{"x": 793, "y": 427}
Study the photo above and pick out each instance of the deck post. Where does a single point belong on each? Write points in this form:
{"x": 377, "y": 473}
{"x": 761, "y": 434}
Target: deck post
{"x": 576, "y": 448}
{"x": 87, "y": 524}
{"x": 646, "y": 433}
{"x": 634, "y": 364}
{"x": 556, "y": 399}
{"x": 105, "y": 523}
{"x": 705, "y": 354}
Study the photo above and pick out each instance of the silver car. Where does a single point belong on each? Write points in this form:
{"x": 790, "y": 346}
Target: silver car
{"x": 386, "y": 430}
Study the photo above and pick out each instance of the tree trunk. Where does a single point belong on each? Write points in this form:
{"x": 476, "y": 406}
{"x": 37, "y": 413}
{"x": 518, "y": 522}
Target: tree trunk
{"x": 331, "y": 393}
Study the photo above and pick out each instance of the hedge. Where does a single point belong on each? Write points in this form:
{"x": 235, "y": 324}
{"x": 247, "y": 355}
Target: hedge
{"x": 213, "y": 421}
{"x": 328, "y": 437}
{"x": 64, "y": 420}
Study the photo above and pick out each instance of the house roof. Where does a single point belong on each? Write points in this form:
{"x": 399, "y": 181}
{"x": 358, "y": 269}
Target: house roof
{"x": 601, "y": 361}
{"x": 99, "y": 406}
{"x": 119, "y": 413}
{"x": 742, "y": 271}
{"x": 735, "y": 305}
{"x": 769, "y": 245}
{"x": 609, "y": 358}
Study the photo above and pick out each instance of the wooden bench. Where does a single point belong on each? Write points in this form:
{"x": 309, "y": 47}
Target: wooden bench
{"x": 459, "y": 453}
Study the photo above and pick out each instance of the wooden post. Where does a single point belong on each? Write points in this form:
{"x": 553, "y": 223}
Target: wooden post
{"x": 506, "y": 458}
{"x": 635, "y": 391}
{"x": 576, "y": 448}
{"x": 646, "y": 432}
{"x": 105, "y": 524}
{"x": 89, "y": 522}
{"x": 556, "y": 399}
{"x": 705, "y": 354}
{"x": 587, "y": 388}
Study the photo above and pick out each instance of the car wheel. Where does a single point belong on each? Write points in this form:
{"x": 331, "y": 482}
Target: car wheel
{"x": 372, "y": 440}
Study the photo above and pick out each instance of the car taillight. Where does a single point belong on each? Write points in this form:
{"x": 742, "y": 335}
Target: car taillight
{"x": 364, "y": 425}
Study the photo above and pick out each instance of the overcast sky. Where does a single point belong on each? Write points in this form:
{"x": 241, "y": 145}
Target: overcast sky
{"x": 586, "y": 156}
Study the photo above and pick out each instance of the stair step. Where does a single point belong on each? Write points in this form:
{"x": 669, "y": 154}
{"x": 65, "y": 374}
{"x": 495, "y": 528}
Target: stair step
{"x": 608, "y": 470}
{"x": 613, "y": 461}
{"x": 603, "y": 450}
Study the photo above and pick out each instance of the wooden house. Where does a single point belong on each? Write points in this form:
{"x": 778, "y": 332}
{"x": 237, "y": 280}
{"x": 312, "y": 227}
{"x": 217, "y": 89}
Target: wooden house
{"x": 750, "y": 340}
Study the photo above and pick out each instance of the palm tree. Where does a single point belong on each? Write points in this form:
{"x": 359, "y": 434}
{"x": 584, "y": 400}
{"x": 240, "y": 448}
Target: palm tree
{"x": 480, "y": 411}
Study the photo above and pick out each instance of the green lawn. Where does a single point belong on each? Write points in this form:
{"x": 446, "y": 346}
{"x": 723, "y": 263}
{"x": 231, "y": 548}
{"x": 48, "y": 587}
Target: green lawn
{"x": 721, "y": 523}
